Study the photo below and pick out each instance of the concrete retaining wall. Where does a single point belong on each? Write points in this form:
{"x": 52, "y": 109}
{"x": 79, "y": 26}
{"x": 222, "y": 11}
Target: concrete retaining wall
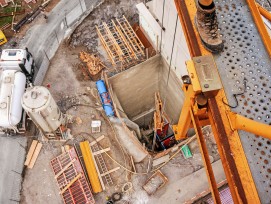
{"x": 43, "y": 40}
{"x": 135, "y": 88}
{"x": 171, "y": 92}
{"x": 150, "y": 20}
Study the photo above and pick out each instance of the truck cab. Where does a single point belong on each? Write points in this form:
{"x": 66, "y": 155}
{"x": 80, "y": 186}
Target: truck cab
{"x": 17, "y": 59}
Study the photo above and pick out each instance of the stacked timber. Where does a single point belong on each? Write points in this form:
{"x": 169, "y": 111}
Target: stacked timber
{"x": 93, "y": 64}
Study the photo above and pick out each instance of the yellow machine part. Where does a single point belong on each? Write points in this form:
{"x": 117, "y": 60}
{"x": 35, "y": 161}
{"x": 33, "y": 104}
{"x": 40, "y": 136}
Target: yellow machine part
{"x": 3, "y": 38}
{"x": 90, "y": 166}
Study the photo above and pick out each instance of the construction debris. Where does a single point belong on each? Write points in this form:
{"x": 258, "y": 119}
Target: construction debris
{"x": 97, "y": 140}
{"x": 96, "y": 126}
{"x": 78, "y": 121}
{"x": 186, "y": 151}
{"x": 156, "y": 181}
{"x": 4, "y": 3}
{"x": 160, "y": 160}
{"x": 33, "y": 154}
{"x": 93, "y": 64}
{"x": 28, "y": 1}
{"x": 121, "y": 43}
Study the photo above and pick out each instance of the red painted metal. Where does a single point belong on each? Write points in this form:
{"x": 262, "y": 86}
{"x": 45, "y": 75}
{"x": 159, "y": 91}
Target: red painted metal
{"x": 79, "y": 192}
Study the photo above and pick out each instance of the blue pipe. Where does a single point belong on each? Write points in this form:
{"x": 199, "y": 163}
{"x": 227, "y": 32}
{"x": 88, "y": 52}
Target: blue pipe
{"x": 105, "y": 98}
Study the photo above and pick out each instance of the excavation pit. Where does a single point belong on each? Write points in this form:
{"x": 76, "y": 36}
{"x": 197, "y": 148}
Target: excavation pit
{"x": 133, "y": 92}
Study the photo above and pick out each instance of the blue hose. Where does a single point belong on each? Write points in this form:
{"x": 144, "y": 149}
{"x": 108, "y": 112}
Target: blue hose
{"x": 105, "y": 98}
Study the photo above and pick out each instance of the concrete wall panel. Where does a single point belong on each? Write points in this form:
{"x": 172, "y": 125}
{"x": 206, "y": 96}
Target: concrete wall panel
{"x": 152, "y": 29}
{"x": 135, "y": 87}
{"x": 73, "y": 15}
{"x": 171, "y": 92}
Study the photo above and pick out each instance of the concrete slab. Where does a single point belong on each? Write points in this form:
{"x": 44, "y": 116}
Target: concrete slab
{"x": 181, "y": 191}
{"x": 39, "y": 184}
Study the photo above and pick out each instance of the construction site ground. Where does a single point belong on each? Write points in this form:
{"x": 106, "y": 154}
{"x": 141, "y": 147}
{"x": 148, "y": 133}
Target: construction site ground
{"x": 69, "y": 86}
{"x": 76, "y": 95}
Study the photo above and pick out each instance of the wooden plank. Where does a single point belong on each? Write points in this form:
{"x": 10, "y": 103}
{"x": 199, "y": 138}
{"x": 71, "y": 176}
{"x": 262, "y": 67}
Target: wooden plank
{"x": 101, "y": 151}
{"x": 133, "y": 164}
{"x": 13, "y": 17}
{"x": 65, "y": 168}
{"x": 30, "y": 152}
{"x": 97, "y": 140}
{"x": 160, "y": 160}
{"x": 110, "y": 171}
{"x": 67, "y": 148}
{"x": 71, "y": 182}
{"x": 35, "y": 156}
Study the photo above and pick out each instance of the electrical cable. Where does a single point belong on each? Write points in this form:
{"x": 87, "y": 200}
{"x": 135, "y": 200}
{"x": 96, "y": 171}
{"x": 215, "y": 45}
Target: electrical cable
{"x": 162, "y": 25}
{"x": 235, "y": 96}
{"x": 169, "y": 69}
{"x": 122, "y": 149}
{"x": 128, "y": 170}
{"x": 79, "y": 104}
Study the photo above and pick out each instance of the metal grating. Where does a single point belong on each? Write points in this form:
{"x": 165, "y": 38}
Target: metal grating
{"x": 79, "y": 192}
{"x": 245, "y": 57}
{"x": 225, "y": 196}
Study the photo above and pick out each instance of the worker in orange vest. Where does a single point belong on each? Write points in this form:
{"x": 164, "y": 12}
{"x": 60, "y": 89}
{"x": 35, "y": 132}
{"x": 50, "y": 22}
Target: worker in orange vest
{"x": 207, "y": 26}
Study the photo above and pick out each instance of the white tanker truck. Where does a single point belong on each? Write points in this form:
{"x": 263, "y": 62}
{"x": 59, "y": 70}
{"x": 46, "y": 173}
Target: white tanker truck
{"x": 16, "y": 73}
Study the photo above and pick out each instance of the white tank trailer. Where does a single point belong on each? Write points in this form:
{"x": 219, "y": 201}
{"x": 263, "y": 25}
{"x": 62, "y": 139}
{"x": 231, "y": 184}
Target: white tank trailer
{"x": 16, "y": 72}
{"x": 42, "y": 109}
{"x": 12, "y": 87}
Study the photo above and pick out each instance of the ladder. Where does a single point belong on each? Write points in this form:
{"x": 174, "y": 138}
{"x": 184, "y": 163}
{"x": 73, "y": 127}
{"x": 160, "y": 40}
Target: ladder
{"x": 131, "y": 36}
{"x": 102, "y": 166}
